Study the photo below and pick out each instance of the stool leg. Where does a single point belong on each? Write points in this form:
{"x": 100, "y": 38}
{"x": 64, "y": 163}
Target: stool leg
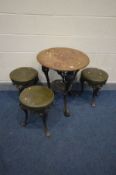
{"x": 36, "y": 80}
{"x": 20, "y": 89}
{"x": 24, "y": 123}
{"x": 44, "y": 119}
{"x": 95, "y": 93}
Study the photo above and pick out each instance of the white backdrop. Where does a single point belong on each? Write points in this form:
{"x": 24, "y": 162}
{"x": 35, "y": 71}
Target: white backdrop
{"x": 28, "y": 26}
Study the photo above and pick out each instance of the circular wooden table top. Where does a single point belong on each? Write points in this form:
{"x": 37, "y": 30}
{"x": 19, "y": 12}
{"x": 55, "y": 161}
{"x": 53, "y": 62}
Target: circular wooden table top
{"x": 63, "y": 59}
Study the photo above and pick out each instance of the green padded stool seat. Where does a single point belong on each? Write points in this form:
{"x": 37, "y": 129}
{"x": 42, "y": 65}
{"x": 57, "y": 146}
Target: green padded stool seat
{"x": 96, "y": 78}
{"x": 36, "y": 98}
{"x": 23, "y": 77}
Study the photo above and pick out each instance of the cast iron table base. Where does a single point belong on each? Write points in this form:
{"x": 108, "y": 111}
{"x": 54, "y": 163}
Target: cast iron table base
{"x": 68, "y": 78}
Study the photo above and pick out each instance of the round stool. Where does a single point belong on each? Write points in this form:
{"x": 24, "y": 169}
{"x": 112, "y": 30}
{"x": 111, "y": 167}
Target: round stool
{"x": 23, "y": 77}
{"x": 96, "y": 78}
{"x": 36, "y": 98}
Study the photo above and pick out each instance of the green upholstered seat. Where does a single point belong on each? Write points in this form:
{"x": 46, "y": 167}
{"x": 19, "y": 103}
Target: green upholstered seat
{"x": 36, "y": 97}
{"x": 94, "y": 76}
{"x": 23, "y": 75}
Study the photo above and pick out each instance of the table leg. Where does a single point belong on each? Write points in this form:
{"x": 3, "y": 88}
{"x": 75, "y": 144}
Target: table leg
{"x": 68, "y": 78}
{"x": 45, "y": 71}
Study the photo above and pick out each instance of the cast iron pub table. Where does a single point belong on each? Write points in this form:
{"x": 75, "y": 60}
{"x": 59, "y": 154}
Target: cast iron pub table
{"x": 66, "y": 62}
